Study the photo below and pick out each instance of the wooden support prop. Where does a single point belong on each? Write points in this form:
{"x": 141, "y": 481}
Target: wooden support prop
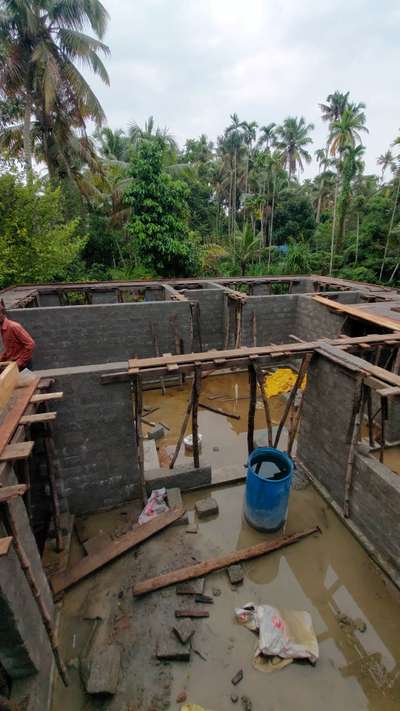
{"x": 44, "y": 613}
{"x": 370, "y": 419}
{"x": 295, "y": 426}
{"x": 195, "y": 409}
{"x": 268, "y": 418}
{"x": 254, "y": 327}
{"x": 356, "y": 424}
{"x": 383, "y": 436}
{"x": 389, "y": 391}
{"x": 396, "y": 364}
{"x": 226, "y": 320}
{"x": 238, "y": 335}
{"x": 52, "y": 469}
{"x": 15, "y": 452}
{"x": 4, "y": 547}
{"x": 252, "y": 408}
{"x": 86, "y": 566}
{"x": 183, "y": 428}
{"x": 156, "y": 346}
{"x": 8, "y": 493}
{"x": 300, "y": 377}
{"x": 138, "y": 414}
{"x": 40, "y": 417}
{"x": 217, "y": 411}
{"x": 178, "y": 350}
{"x": 200, "y": 569}
{"x": 45, "y": 397}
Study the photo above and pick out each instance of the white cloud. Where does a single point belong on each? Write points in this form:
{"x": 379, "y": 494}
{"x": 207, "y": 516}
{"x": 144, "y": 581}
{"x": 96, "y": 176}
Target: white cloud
{"x": 191, "y": 63}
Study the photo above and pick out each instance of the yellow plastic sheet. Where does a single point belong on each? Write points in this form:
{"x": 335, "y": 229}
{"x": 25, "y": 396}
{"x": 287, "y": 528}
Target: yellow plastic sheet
{"x": 281, "y": 381}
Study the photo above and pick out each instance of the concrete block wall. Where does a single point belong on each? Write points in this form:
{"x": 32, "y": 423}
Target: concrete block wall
{"x": 212, "y": 316}
{"x": 275, "y": 319}
{"x": 313, "y": 320}
{"x": 95, "y": 334}
{"x": 104, "y": 297}
{"x": 24, "y": 644}
{"x": 94, "y": 438}
{"x": 323, "y": 447}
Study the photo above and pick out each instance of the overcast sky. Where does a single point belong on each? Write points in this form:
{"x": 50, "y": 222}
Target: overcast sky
{"x": 191, "y": 63}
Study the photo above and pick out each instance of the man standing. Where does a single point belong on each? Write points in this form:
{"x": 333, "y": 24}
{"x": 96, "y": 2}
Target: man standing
{"x": 18, "y": 344}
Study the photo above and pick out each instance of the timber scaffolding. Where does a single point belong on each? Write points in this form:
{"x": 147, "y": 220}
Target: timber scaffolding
{"x": 384, "y": 383}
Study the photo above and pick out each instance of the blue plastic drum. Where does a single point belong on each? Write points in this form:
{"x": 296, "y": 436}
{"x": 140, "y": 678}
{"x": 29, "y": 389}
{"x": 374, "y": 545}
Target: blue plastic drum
{"x": 269, "y": 478}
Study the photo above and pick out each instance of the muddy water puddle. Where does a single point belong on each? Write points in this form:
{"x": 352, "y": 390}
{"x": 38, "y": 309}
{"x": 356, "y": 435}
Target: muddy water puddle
{"x": 329, "y": 575}
{"x": 224, "y": 439}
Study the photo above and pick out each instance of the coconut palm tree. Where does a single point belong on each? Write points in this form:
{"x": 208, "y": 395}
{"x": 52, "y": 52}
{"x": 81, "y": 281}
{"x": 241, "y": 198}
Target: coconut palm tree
{"x": 267, "y": 136}
{"x": 335, "y": 106}
{"x": 292, "y": 139}
{"x": 40, "y": 42}
{"x": 386, "y": 161}
{"x": 151, "y": 131}
{"x": 346, "y": 130}
{"x": 352, "y": 165}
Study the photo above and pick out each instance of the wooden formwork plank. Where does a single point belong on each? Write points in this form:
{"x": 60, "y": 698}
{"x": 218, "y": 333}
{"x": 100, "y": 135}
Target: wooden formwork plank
{"x": 8, "y": 382}
{"x": 45, "y": 397}
{"x": 8, "y": 493}
{"x": 5, "y": 545}
{"x": 11, "y": 421}
{"x": 39, "y": 417}
{"x": 14, "y": 452}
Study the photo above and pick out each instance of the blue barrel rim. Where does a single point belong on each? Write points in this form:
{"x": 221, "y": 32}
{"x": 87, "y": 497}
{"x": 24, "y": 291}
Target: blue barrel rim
{"x": 280, "y": 455}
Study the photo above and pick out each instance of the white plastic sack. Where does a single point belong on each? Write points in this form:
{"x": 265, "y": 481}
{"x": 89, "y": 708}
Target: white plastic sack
{"x": 155, "y": 506}
{"x": 288, "y": 634}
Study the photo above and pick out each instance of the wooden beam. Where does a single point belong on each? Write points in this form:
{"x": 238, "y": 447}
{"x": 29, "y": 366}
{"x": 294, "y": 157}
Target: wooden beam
{"x": 39, "y": 417}
{"x": 86, "y": 566}
{"x": 289, "y": 402}
{"x": 14, "y": 452}
{"x": 362, "y": 314}
{"x": 389, "y": 392}
{"x": 252, "y": 407}
{"x": 356, "y": 424}
{"x": 218, "y": 411}
{"x": 45, "y": 397}
{"x": 11, "y": 420}
{"x": 183, "y": 427}
{"x": 200, "y": 569}
{"x": 195, "y": 409}
{"x": 8, "y": 382}
{"x": 8, "y": 493}
{"x": 5, "y": 545}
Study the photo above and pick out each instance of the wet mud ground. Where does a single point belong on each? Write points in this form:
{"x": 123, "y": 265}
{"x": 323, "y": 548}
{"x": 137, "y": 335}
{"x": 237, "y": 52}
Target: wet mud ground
{"x": 328, "y": 574}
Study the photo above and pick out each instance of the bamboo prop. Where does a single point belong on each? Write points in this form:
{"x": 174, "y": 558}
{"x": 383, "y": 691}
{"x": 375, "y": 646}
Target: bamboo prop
{"x": 254, "y": 327}
{"x": 239, "y": 309}
{"x": 184, "y": 426}
{"x": 300, "y": 377}
{"x": 178, "y": 349}
{"x": 383, "y": 418}
{"x": 226, "y": 321}
{"x": 396, "y": 364}
{"x": 378, "y": 355}
{"x": 137, "y": 410}
{"x": 356, "y": 418}
{"x": 252, "y": 408}
{"x": 370, "y": 419}
{"x": 195, "y": 410}
{"x": 156, "y": 346}
{"x": 260, "y": 380}
{"x": 195, "y": 309}
{"x": 46, "y": 618}
{"x": 295, "y": 426}
{"x": 51, "y": 467}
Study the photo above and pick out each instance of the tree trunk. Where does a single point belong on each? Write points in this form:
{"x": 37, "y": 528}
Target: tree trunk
{"x": 390, "y": 228}
{"x": 319, "y": 203}
{"x": 334, "y": 226}
{"x": 271, "y": 223}
{"x": 27, "y": 137}
{"x": 357, "y": 236}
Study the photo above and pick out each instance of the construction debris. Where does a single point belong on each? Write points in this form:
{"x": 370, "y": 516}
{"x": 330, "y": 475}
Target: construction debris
{"x": 195, "y": 587}
{"x": 184, "y": 630}
{"x": 201, "y": 569}
{"x": 156, "y": 433}
{"x": 192, "y": 613}
{"x": 104, "y": 670}
{"x": 235, "y": 574}
{"x": 63, "y": 581}
{"x": 169, "y": 649}
{"x": 206, "y": 507}
{"x": 204, "y": 599}
{"x": 237, "y": 678}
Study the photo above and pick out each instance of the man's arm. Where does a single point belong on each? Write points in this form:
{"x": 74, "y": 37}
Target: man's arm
{"x": 27, "y": 345}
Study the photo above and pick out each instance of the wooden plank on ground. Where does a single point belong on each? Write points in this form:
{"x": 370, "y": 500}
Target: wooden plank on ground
{"x": 14, "y": 452}
{"x": 8, "y": 493}
{"x": 11, "y": 421}
{"x": 86, "y": 566}
{"x": 200, "y": 569}
{"x": 44, "y": 397}
{"x": 8, "y": 382}
{"x": 40, "y": 417}
{"x": 5, "y": 545}
{"x": 211, "y": 408}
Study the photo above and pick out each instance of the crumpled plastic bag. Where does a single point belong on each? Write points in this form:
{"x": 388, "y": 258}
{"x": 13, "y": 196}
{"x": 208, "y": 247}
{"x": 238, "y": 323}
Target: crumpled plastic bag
{"x": 288, "y": 634}
{"x": 155, "y": 506}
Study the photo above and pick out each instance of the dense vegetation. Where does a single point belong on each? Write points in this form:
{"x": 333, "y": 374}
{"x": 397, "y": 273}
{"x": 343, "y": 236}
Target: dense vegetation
{"x": 132, "y": 204}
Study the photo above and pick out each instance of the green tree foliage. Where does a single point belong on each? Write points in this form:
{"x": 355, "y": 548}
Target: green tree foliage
{"x": 158, "y": 227}
{"x": 36, "y": 244}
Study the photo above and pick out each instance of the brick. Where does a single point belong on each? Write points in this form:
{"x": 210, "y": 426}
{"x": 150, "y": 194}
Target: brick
{"x": 206, "y": 507}
{"x": 184, "y": 629}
